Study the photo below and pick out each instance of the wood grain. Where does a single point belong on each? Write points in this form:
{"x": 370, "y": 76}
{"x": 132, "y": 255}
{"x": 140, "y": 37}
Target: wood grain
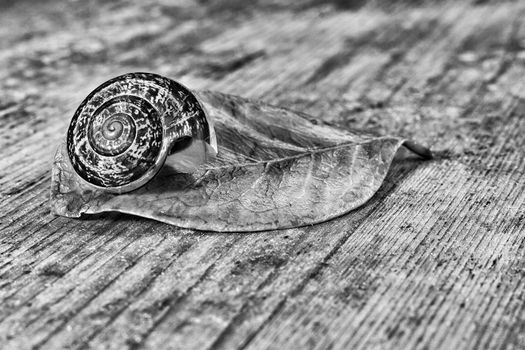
{"x": 434, "y": 261}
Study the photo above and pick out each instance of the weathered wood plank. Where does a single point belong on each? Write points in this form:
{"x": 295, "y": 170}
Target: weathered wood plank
{"x": 434, "y": 260}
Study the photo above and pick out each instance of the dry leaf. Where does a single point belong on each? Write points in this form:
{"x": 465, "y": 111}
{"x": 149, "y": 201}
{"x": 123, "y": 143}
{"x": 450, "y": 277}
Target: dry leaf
{"x": 275, "y": 169}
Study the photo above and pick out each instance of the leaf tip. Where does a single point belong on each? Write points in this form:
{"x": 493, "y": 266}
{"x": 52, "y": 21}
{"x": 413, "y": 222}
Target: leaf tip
{"x": 422, "y": 151}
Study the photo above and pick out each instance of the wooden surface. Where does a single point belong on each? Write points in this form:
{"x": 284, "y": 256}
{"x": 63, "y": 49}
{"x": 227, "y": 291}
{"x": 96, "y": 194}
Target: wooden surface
{"x": 436, "y": 260}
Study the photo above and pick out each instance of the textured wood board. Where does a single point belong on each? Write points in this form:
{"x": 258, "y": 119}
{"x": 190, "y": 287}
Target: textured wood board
{"x": 434, "y": 260}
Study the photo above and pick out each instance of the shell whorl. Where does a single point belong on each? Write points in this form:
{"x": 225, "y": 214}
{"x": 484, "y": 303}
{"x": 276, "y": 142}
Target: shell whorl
{"x": 122, "y": 132}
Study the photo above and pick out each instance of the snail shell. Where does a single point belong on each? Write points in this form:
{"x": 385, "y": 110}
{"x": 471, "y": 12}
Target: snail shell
{"x": 122, "y": 133}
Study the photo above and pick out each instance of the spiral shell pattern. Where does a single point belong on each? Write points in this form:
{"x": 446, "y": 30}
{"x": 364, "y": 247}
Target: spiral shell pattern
{"x": 121, "y": 134}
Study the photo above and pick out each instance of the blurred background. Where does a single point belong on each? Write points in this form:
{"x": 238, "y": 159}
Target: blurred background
{"x": 347, "y": 61}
